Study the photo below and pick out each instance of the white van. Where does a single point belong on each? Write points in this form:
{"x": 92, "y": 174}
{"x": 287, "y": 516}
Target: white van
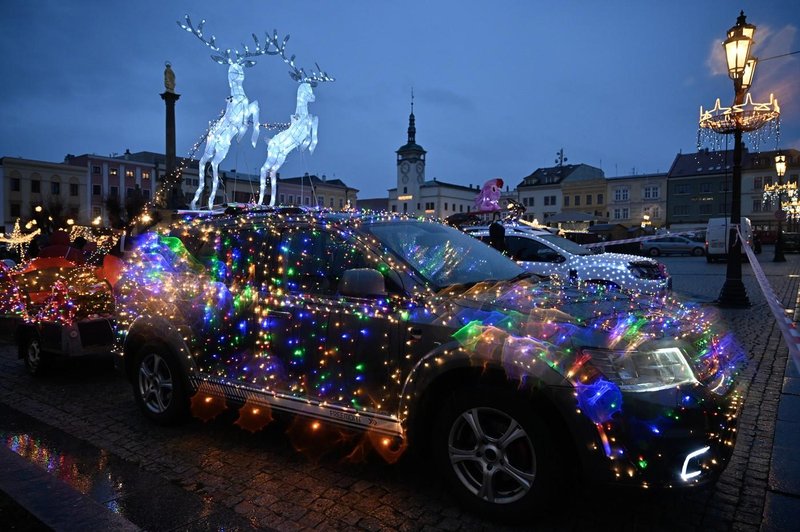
{"x": 718, "y": 233}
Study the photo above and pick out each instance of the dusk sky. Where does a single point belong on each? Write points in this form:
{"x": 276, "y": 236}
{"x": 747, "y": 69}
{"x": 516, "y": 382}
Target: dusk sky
{"x": 499, "y": 86}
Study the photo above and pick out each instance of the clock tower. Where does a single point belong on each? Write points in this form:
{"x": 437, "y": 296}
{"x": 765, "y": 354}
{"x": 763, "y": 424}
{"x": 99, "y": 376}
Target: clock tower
{"x": 410, "y": 170}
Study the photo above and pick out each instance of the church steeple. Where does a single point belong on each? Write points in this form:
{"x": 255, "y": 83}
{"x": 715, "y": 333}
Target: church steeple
{"x": 412, "y": 129}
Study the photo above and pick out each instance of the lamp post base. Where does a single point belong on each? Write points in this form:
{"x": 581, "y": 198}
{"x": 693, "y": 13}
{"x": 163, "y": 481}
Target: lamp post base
{"x": 733, "y": 295}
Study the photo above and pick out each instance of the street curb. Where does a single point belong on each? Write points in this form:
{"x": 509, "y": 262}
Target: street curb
{"x": 52, "y": 501}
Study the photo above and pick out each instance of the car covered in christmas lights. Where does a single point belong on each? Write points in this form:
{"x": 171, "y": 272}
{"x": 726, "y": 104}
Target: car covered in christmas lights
{"x": 415, "y": 333}
{"x": 549, "y": 255}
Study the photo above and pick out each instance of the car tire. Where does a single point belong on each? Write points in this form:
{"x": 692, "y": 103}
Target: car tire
{"x": 496, "y": 454}
{"x": 653, "y": 252}
{"x": 159, "y": 386}
{"x": 697, "y": 252}
{"x": 35, "y": 360}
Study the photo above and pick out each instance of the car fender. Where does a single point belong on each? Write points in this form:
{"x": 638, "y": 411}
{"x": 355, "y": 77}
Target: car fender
{"x": 153, "y": 328}
{"x": 452, "y": 357}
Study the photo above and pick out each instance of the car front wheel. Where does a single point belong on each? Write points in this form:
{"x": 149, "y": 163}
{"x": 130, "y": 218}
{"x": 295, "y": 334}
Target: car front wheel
{"x": 654, "y": 252}
{"x": 697, "y": 252}
{"x": 33, "y": 356}
{"x": 494, "y": 451}
{"x": 158, "y": 385}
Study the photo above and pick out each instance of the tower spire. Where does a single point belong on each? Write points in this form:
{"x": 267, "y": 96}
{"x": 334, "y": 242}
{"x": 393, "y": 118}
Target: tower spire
{"x": 412, "y": 128}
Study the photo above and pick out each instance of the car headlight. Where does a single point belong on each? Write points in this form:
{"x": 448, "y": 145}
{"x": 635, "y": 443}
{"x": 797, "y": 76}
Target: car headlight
{"x": 643, "y": 371}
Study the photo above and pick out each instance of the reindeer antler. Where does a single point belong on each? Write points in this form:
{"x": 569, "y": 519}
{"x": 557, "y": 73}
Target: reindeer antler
{"x": 297, "y": 74}
{"x": 226, "y": 58}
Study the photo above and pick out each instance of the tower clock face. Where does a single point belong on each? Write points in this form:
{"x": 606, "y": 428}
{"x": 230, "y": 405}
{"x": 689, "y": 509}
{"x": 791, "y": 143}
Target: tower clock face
{"x": 420, "y": 167}
{"x": 404, "y": 167}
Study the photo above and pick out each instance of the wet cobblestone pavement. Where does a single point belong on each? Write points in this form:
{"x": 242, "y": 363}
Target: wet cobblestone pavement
{"x": 80, "y": 424}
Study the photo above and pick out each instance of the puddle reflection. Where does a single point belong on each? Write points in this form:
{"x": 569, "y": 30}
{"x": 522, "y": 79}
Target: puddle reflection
{"x": 90, "y": 476}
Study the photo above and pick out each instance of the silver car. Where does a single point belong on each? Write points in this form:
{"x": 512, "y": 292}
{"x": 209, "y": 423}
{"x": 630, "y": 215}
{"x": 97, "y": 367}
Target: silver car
{"x": 672, "y": 245}
{"x": 548, "y": 255}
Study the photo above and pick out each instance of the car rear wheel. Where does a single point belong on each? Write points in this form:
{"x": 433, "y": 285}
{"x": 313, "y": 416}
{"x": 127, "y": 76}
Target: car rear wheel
{"x": 654, "y": 252}
{"x": 495, "y": 453}
{"x": 697, "y": 252}
{"x": 35, "y": 361}
{"x": 158, "y": 385}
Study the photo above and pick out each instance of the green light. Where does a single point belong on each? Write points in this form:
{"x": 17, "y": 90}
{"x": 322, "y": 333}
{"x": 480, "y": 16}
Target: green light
{"x": 642, "y": 463}
{"x": 360, "y": 367}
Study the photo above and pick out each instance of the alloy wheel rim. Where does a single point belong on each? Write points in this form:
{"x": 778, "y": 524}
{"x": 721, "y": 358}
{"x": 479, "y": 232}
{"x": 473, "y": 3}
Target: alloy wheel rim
{"x": 492, "y": 455}
{"x": 34, "y": 354}
{"x": 155, "y": 383}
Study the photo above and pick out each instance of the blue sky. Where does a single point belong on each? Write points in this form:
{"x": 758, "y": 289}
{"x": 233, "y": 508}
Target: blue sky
{"x": 499, "y": 86}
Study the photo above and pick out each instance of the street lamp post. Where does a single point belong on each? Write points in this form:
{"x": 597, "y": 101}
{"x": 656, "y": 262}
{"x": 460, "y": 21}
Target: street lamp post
{"x": 742, "y": 116}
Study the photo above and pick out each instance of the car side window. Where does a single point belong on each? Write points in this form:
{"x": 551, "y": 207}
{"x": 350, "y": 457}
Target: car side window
{"x": 526, "y": 249}
{"x": 314, "y": 260}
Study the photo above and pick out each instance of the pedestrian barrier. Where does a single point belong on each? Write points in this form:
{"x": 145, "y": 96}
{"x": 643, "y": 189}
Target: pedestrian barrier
{"x": 787, "y": 327}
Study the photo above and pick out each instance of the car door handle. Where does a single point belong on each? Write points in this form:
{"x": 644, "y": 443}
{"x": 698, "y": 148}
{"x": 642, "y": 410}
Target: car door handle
{"x": 415, "y": 333}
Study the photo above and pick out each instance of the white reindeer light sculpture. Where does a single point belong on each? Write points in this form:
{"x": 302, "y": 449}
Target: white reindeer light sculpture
{"x": 302, "y": 131}
{"x": 239, "y": 112}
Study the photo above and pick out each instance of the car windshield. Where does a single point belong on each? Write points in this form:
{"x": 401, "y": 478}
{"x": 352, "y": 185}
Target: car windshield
{"x": 567, "y": 245}
{"x": 442, "y": 255}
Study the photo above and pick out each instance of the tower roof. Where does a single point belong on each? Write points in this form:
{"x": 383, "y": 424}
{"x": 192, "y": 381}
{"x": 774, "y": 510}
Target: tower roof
{"x": 411, "y": 145}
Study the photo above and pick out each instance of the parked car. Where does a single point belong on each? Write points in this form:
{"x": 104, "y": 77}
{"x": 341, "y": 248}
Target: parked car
{"x": 418, "y": 334}
{"x": 791, "y": 242}
{"x": 672, "y": 245}
{"x": 548, "y": 255}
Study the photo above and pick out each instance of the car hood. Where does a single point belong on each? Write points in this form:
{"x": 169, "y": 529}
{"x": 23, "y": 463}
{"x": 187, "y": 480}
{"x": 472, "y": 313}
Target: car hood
{"x": 525, "y": 322}
{"x": 622, "y": 259}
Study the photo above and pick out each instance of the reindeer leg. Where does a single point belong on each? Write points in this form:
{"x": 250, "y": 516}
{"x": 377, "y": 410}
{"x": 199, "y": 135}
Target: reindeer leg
{"x": 263, "y": 183}
{"x": 256, "y": 125}
{"x": 214, "y": 183}
{"x": 274, "y": 187}
{"x": 202, "y": 175}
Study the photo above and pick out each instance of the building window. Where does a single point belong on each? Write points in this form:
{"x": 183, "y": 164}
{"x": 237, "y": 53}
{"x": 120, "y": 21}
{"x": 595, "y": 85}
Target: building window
{"x": 394, "y": 208}
{"x": 767, "y": 181}
{"x": 146, "y": 193}
{"x": 129, "y": 173}
{"x": 550, "y": 200}
{"x": 73, "y": 189}
{"x": 95, "y": 169}
{"x": 405, "y": 207}
{"x": 705, "y": 187}
{"x": 461, "y": 208}
{"x": 330, "y": 202}
{"x": 283, "y": 200}
{"x": 146, "y": 174}
{"x": 621, "y": 213}
{"x": 55, "y": 188}
{"x": 758, "y": 205}
{"x": 307, "y": 201}
{"x": 651, "y": 192}
{"x": 445, "y": 206}
{"x": 683, "y": 188}
{"x": 723, "y": 187}
{"x": 566, "y": 201}
{"x": 96, "y": 212}
{"x": 588, "y": 199}
{"x": 680, "y": 210}
{"x": 577, "y": 201}
{"x": 321, "y": 201}
{"x": 621, "y": 194}
{"x": 128, "y": 192}
{"x": 114, "y": 192}
{"x": 291, "y": 199}
{"x": 112, "y": 172}
{"x": 36, "y": 186}
{"x": 599, "y": 199}
{"x": 96, "y": 190}
{"x": 706, "y": 208}
{"x": 341, "y": 203}
{"x": 15, "y": 210}
{"x": 15, "y": 184}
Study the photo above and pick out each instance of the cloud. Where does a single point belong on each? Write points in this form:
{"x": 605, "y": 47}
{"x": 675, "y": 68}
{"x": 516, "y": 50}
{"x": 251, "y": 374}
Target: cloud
{"x": 446, "y": 98}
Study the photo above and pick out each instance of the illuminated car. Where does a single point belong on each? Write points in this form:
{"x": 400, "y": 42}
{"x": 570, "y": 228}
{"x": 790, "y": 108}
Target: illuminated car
{"x": 415, "y": 333}
{"x": 548, "y": 255}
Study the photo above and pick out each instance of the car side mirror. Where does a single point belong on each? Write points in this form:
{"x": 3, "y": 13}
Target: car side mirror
{"x": 362, "y": 282}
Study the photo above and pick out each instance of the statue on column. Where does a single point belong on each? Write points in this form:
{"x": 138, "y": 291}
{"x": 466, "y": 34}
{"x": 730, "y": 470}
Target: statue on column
{"x": 169, "y": 77}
